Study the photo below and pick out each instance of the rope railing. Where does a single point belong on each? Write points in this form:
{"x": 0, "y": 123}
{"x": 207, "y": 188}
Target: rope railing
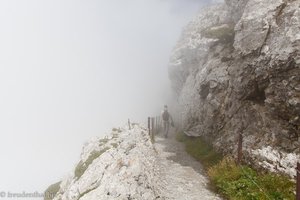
{"x": 154, "y": 126}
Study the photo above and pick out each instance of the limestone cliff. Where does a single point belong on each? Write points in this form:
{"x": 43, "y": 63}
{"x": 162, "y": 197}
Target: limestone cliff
{"x": 118, "y": 166}
{"x": 127, "y": 164}
{"x": 236, "y": 68}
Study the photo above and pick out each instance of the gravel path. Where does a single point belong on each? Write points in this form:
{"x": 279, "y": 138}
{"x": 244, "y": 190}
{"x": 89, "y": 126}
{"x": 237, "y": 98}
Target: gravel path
{"x": 181, "y": 176}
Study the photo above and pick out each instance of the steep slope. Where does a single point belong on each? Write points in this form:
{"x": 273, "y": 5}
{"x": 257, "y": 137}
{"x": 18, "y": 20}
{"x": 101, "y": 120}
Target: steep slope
{"x": 120, "y": 166}
{"x": 236, "y": 69}
{"x": 127, "y": 165}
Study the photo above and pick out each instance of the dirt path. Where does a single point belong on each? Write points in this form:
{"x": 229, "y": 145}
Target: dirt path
{"x": 181, "y": 176}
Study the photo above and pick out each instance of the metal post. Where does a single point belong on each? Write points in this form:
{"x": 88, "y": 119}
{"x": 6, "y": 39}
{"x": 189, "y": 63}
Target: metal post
{"x": 129, "y": 124}
{"x": 149, "y": 128}
{"x": 298, "y": 182}
{"x": 159, "y": 121}
{"x": 156, "y": 125}
{"x": 240, "y": 148}
{"x": 153, "y": 131}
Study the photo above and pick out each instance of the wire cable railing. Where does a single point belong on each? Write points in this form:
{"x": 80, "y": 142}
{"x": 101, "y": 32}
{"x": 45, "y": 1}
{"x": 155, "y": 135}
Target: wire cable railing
{"x": 155, "y": 125}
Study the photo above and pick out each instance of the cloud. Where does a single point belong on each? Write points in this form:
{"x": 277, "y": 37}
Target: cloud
{"x": 72, "y": 69}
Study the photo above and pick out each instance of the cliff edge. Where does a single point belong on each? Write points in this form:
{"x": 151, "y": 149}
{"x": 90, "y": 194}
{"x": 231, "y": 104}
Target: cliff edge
{"x": 118, "y": 166}
{"x": 127, "y": 165}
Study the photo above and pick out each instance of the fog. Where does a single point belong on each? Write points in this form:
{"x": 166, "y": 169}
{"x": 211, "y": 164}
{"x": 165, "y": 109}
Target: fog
{"x": 74, "y": 69}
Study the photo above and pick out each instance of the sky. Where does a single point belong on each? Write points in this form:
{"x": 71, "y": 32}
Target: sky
{"x": 71, "y": 70}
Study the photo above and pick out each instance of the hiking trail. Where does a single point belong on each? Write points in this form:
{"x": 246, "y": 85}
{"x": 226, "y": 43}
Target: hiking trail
{"x": 181, "y": 176}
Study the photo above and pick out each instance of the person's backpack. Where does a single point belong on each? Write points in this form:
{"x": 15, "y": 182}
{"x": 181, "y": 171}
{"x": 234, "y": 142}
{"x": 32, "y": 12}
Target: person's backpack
{"x": 165, "y": 116}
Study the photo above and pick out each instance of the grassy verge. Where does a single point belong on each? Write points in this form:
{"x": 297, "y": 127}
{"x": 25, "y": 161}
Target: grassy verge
{"x": 51, "y": 191}
{"x": 237, "y": 182}
{"x": 200, "y": 150}
{"x": 82, "y": 166}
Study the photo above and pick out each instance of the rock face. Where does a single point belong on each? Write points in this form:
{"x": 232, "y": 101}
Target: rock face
{"x": 127, "y": 165}
{"x": 236, "y": 69}
{"x": 119, "y": 166}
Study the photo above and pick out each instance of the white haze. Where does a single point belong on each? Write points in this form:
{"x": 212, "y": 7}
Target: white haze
{"x": 73, "y": 69}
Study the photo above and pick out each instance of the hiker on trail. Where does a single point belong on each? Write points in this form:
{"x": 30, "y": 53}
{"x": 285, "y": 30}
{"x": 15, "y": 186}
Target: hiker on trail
{"x": 167, "y": 119}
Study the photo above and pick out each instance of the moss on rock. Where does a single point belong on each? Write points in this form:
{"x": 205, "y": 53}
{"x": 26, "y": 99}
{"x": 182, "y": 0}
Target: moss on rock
{"x": 82, "y": 166}
{"x": 51, "y": 191}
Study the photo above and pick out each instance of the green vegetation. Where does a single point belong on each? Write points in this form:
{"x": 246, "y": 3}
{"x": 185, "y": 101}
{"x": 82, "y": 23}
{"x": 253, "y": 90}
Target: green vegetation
{"x": 243, "y": 183}
{"x": 237, "y": 182}
{"x": 51, "y": 191}
{"x": 82, "y": 166}
{"x": 200, "y": 150}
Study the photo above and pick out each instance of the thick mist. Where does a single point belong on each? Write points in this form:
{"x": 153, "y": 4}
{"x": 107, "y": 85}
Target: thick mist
{"x": 73, "y": 69}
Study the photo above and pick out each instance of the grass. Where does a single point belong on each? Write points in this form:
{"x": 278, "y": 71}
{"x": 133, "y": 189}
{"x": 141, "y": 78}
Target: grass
{"x": 82, "y": 166}
{"x": 244, "y": 183}
{"x": 51, "y": 191}
{"x": 200, "y": 150}
{"x": 237, "y": 182}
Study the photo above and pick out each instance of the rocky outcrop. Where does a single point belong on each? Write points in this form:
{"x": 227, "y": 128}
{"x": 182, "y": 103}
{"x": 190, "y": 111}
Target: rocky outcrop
{"x": 236, "y": 69}
{"x": 127, "y": 164}
{"x": 119, "y": 166}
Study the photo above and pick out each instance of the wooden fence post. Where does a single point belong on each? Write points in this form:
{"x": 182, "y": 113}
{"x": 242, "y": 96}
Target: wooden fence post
{"x": 240, "y": 148}
{"x": 298, "y": 181}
